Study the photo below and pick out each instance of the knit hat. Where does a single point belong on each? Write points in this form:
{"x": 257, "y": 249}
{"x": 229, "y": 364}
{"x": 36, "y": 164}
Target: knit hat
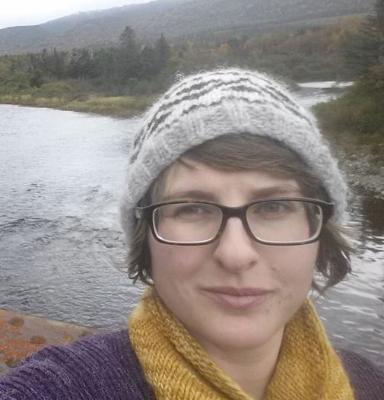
{"x": 225, "y": 101}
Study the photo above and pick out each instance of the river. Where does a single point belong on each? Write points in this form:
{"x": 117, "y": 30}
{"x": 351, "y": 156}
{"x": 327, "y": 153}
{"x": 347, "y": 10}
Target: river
{"x": 61, "y": 245}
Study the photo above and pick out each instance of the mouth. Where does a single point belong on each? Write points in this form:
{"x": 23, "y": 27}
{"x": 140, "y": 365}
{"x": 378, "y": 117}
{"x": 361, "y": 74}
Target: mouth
{"x": 237, "y": 298}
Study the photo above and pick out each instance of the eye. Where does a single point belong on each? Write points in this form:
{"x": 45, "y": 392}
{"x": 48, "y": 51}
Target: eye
{"x": 191, "y": 211}
{"x": 272, "y": 209}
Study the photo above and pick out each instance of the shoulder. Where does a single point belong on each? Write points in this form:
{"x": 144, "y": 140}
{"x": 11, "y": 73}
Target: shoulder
{"x": 102, "y": 366}
{"x": 366, "y": 378}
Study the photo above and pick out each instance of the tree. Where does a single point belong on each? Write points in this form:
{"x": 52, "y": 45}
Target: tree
{"x": 378, "y": 18}
{"x": 58, "y": 64}
{"x": 378, "y": 23}
{"x": 163, "y": 53}
{"x": 81, "y": 65}
{"x": 148, "y": 62}
{"x": 129, "y": 54}
{"x": 36, "y": 79}
{"x": 107, "y": 63}
{"x": 128, "y": 41}
{"x": 364, "y": 50}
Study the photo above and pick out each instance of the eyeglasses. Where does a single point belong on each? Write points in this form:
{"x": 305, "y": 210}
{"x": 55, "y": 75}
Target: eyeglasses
{"x": 279, "y": 221}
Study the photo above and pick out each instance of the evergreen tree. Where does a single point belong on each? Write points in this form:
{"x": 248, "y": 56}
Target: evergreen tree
{"x": 47, "y": 64}
{"x": 36, "y": 79}
{"x": 129, "y": 55}
{"x": 163, "y": 53}
{"x": 107, "y": 63}
{"x": 364, "y": 51}
{"x": 148, "y": 60}
{"x": 58, "y": 64}
{"x": 378, "y": 19}
{"x": 81, "y": 65}
{"x": 128, "y": 40}
{"x": 378, "y": 23}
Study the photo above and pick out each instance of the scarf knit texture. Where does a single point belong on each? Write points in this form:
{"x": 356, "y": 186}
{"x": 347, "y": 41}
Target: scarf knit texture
{"x": 177, "y": 367}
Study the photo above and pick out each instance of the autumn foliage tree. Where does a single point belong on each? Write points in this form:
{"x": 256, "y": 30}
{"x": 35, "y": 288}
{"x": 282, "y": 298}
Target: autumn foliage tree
{"x": 358, "y": 115}
{"x": 364, "y": 50}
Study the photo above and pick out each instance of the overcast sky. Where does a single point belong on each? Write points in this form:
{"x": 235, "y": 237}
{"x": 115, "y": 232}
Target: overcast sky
{"x": 32, "y": 12}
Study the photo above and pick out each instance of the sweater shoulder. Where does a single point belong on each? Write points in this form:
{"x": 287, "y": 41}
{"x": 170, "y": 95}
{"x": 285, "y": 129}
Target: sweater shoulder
{"x": 102, "y": 366}
{"x": 366, "y": 378}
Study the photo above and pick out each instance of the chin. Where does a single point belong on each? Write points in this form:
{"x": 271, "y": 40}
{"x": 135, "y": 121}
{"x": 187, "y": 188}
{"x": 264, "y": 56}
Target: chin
{"x": 238, "y": 338}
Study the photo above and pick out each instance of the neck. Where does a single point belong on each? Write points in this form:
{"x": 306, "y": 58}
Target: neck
{"x": 252, "y": 369}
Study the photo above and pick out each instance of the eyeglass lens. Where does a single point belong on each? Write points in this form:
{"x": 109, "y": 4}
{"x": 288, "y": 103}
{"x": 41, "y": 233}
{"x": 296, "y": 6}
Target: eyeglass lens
{"x": 275, "y": 221}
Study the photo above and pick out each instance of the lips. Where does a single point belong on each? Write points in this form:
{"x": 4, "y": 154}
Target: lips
{"x": 237, "y": 298}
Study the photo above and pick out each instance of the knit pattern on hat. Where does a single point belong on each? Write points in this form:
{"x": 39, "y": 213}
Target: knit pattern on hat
{"x": 226, "y": 101}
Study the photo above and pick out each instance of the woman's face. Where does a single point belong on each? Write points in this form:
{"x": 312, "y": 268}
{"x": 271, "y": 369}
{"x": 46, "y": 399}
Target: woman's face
{"x": 233, "y": 293}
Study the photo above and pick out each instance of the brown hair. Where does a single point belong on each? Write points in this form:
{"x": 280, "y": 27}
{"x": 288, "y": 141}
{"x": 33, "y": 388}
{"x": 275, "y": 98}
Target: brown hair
{"x": 250, "y": 152}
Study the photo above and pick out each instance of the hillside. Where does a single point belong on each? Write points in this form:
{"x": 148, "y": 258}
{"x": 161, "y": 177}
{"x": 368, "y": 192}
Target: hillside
{"x": 177, "y": 19}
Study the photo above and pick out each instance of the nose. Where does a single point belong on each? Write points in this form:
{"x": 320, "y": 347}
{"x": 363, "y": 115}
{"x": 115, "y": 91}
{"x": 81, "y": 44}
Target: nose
{"x": 235, "y": 250}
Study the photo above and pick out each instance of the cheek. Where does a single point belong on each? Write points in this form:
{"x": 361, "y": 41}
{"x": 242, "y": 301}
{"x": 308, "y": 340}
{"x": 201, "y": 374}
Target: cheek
{"x": 175, "y": 271}
{"x": 178, "y": 261}
{"x": 294, "y": 266}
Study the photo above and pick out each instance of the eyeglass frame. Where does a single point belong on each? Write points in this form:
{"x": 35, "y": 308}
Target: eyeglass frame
{"x": 237, "y": 212}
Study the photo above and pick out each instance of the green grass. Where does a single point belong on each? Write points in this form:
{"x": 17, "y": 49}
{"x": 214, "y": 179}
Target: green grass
{"x": 121, "y": 106}
{"x": 79, "y": 96}
{"x": 356, "y": 120}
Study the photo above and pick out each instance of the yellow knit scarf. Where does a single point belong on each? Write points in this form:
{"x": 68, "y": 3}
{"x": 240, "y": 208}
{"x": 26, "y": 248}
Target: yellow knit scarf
{"x": 178, "y": 368}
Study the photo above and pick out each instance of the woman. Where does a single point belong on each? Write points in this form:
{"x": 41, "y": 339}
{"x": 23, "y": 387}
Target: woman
{"x": 232, "y": 203}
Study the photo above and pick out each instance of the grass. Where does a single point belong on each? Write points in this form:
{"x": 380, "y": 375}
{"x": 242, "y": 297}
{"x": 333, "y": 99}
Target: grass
{"x": 120, "y": 106}
{"x": 355, "y": 121}
{"x": 76, "y": 96}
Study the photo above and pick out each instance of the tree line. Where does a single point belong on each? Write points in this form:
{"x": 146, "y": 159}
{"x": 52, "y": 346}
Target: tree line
{"x": 344, "y": 50}
{"x": 311, "y": 53}
{"x": 124, "y": 64}
{"x": 358, "y": 115}
{"x": 364, "y": 49}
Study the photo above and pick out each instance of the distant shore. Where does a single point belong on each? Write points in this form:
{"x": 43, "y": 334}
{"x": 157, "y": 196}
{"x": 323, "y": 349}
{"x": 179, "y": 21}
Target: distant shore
{"x": 115, "y": 106}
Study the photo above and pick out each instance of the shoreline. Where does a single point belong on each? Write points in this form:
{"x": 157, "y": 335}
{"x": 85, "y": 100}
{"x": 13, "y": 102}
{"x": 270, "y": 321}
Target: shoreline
{"x": 112, "y": 106}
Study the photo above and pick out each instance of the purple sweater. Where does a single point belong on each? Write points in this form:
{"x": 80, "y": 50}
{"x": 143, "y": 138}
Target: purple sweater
{"x": 104, "y": 367}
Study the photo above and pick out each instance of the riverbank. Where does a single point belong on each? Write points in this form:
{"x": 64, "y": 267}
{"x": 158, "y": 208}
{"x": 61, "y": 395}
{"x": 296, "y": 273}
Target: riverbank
{"x": 364, "y": 171}
{"x": 115, "y": 106}
{"x": 354, "y": 124}
{"x": 362, "y": 163}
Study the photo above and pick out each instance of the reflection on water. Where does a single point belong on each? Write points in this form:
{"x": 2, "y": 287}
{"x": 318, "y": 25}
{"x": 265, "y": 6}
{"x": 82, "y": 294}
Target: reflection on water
{"x": 369, "y": 216}
{"x": 353, "y": 311}
{"x": 372, "y": 218}
{"x": 311, "y": 93}
{"x": 61, "y": 174}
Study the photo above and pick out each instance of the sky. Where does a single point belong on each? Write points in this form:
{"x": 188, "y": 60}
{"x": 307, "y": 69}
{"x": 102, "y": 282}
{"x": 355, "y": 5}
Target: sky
{"x": 33, "y": 12}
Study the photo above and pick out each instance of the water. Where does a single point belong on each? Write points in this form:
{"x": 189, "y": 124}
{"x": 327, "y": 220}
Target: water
{"x": 60, "y": 176}
{"x": 311, "y": 93}
{"x": 353, "y": 311}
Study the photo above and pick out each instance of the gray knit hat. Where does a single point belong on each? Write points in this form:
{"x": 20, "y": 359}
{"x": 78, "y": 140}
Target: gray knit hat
{"x": 225, "y": 101}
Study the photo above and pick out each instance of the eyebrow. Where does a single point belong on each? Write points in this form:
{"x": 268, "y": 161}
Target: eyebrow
{"x": 276, "y": 191}
{"x": 190, "y": 195}
{"x": 261, "y": 193}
